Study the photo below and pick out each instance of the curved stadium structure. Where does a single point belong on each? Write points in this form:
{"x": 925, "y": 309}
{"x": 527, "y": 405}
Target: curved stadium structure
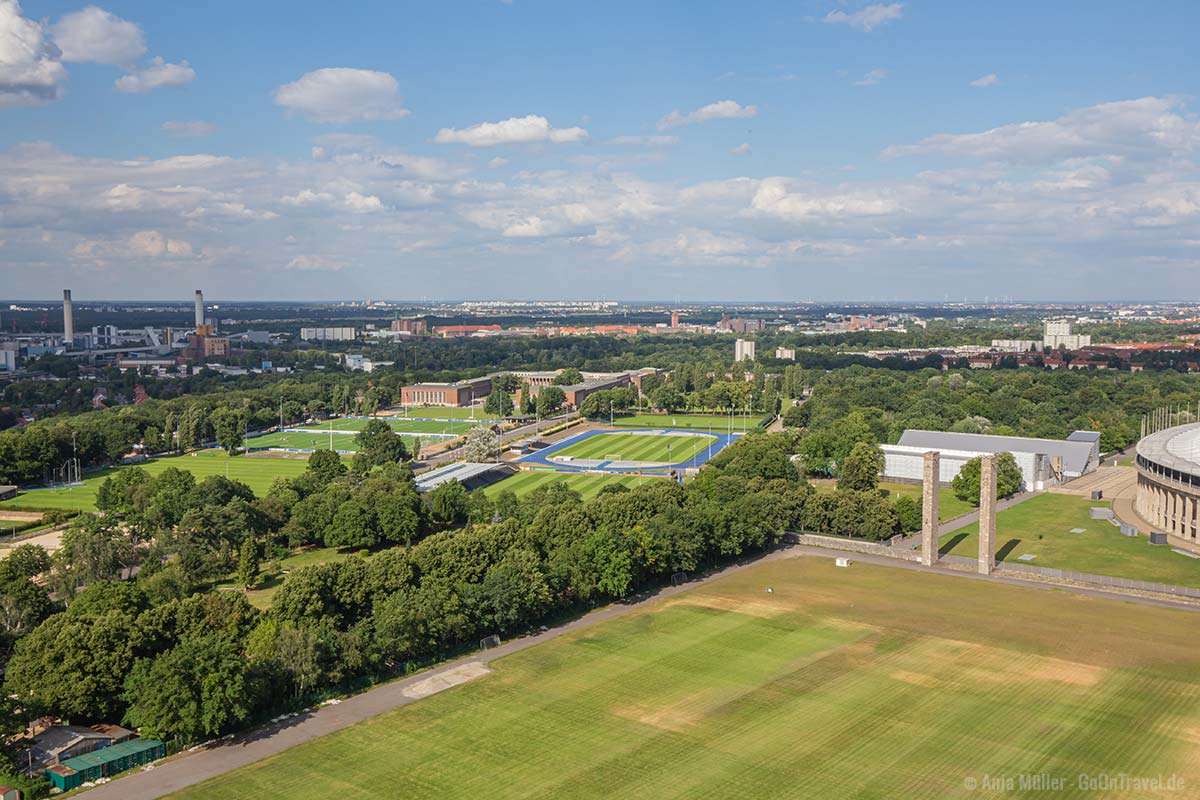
{"x": 1168, "y": 466}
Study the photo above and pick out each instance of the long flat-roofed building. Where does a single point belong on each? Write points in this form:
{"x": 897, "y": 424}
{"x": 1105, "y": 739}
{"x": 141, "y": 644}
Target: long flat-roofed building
{"x": 459, "y": 393}
{"x": 1078, "y": 454}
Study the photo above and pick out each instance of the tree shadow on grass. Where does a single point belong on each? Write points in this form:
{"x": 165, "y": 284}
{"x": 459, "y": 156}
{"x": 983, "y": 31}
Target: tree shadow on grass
{"x": 1007, "y": 549}
{"x": 949, "y": 545}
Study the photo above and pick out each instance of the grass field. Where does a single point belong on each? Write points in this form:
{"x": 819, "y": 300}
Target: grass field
{"x": 1041, "y": 526}
{"x": 522, "y": 483}
{"x": 868, "y": 682}
{"x": 949, "y": 506}
{"x": 257, "y": 473}
{"x": 399, "y": 425}
{"x": 639, "y": 447}
{"x": 434, "y": 412}
{"x": 717, "y": 423}
{"x": 305, "y": 441}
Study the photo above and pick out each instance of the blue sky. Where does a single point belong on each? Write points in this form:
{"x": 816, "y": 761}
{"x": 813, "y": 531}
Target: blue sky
{"x": 629, "y": 150}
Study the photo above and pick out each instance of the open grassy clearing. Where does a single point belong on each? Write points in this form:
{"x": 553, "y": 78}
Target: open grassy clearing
{"x": 717, "y": 423}
{"x": 1041, "y": 526}
{"x": 256, "y": 472}
{"x": 639, "y": 447}
{"x": 871, "y": 682}
{"x": 262, "y": 595}
{"x": 522, "y": 483}
{"x": 949, "y": 506}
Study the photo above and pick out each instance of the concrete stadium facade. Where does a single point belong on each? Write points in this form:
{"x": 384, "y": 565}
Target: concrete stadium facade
{"x": 1168, "y": 486}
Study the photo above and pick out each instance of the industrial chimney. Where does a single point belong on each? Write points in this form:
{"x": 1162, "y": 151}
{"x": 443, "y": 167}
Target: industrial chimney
{"x": 199, "y": 308}
{"x": 68, "y": 320}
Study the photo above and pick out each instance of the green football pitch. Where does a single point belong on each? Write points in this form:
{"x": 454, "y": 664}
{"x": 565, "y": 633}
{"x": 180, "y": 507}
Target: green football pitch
{"x": 666, "y": 449}
{"x": 256, "y": 472}
{"x": 522, "y": 483}
{"x": 456, "y": 426}
{"x": 716, "y": 423}
{"x": 867, "y": 682}
{"x": 1042, "y": 527}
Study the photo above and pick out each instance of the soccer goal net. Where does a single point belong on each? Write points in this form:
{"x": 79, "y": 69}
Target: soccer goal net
{"x": 612, "y": 457}
{"x": 488, "y": 642}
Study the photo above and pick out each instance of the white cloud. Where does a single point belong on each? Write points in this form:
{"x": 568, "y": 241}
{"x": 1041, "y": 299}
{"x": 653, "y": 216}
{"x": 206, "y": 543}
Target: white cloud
{"x": 189, "y": 129}
{"x": 316, "y": 263}
{"x": 867, "y": 18}
{"x": 517, "y": 130}
{"x": 872, "y": 78}
{"x": 98, "y": 36}
{"x": 30, "y": 71}
{"x": 341, "y": 95}
{"x": 148, "y": 244}
{"x": 986, "y": 81}
{"x": 645, "y": 141}
{"x": 724, "y": 109}
{"x": 497, "y": 162}
{"x": 362, "y": 204}
{"x": 742, "y": 149}
{"x": 1150, "y": 127}
{"x": 155, "y": 75}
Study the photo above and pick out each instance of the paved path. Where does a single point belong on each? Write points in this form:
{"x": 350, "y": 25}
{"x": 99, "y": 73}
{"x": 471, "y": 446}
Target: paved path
{"x": 223, "y": 756}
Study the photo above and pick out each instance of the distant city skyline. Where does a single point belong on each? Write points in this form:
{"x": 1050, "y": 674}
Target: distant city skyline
{"x": 769, "y": 151}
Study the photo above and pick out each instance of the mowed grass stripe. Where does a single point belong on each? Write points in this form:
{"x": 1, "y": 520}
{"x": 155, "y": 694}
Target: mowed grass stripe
{"x": 639, "y": 447}
{"x": 868, "y": 682}
{"x": 588, "y": 486}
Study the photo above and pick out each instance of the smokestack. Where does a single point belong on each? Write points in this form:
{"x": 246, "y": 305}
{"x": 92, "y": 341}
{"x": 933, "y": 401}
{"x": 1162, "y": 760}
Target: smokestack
{"x": 199, "y": 308}
{"x": 68, "y": 319}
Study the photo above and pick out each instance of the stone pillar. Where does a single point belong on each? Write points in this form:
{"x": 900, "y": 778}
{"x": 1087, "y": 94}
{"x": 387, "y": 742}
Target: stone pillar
{"x": 929, "y": 508}
{"x": 987, "y": 515}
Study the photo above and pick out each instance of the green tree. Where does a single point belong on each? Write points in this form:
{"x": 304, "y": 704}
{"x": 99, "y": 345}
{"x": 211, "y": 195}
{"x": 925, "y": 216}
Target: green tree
{"x": 568, "y": 377}
{"x": 378, "y": 444}
{"x": 667, "y": 398}
{"x": 1008, "y": 478}
{"x": 229, "y": 426}
{"x": 908, "y": 513}
{"x": 326, "y": 466}
{"x": 860, "y": 471}
{"x": 549, "y": 400}
{"x": 247, "y": 570}
{"x": 499, "y": 404}
{"x": 197, "y": 689}
{"x": 448, "y": 503}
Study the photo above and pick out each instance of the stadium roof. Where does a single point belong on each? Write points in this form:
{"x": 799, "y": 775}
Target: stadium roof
{"x": 1175, "y": 448}
{"x": 1075, "y": 452}
{"x": 460, "y": 471}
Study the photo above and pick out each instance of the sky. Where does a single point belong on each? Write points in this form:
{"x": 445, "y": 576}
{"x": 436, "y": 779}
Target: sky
{"x": 551, "y": 149}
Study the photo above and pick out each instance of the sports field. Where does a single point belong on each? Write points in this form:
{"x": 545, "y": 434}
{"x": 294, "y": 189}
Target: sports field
{"x": 867, "y": 682}
{"x": 717, "y": 423}
{"x": 588, "y": 485}
{"x": 305, "y": 441}
{"x": 438, "y": 412}
{"x": 1042, "y": 525}
{"x": 457, "y": 426}
{"x": 256, "y": 472}
{"x": 664, "y": 449}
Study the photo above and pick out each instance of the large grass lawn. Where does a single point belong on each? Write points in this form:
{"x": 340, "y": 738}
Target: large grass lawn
{"x": 666, "y": 449}
{"x": 949, "y": 506}
{"x": 436, "y": 412}
{"x": 1041, "y": 526}
{"x": 867, "y": 682}
{"x": 522, "y": 483}
{"x": 716, "y": 423}
{"x": 256, "y": 472}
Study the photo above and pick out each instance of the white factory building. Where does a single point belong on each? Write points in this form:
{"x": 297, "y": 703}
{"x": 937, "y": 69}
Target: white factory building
{"x": 1080, "y": 454}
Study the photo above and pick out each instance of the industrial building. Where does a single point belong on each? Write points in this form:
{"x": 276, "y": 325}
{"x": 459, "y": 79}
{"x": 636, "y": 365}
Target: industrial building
{"x": 1043, "y": 462}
